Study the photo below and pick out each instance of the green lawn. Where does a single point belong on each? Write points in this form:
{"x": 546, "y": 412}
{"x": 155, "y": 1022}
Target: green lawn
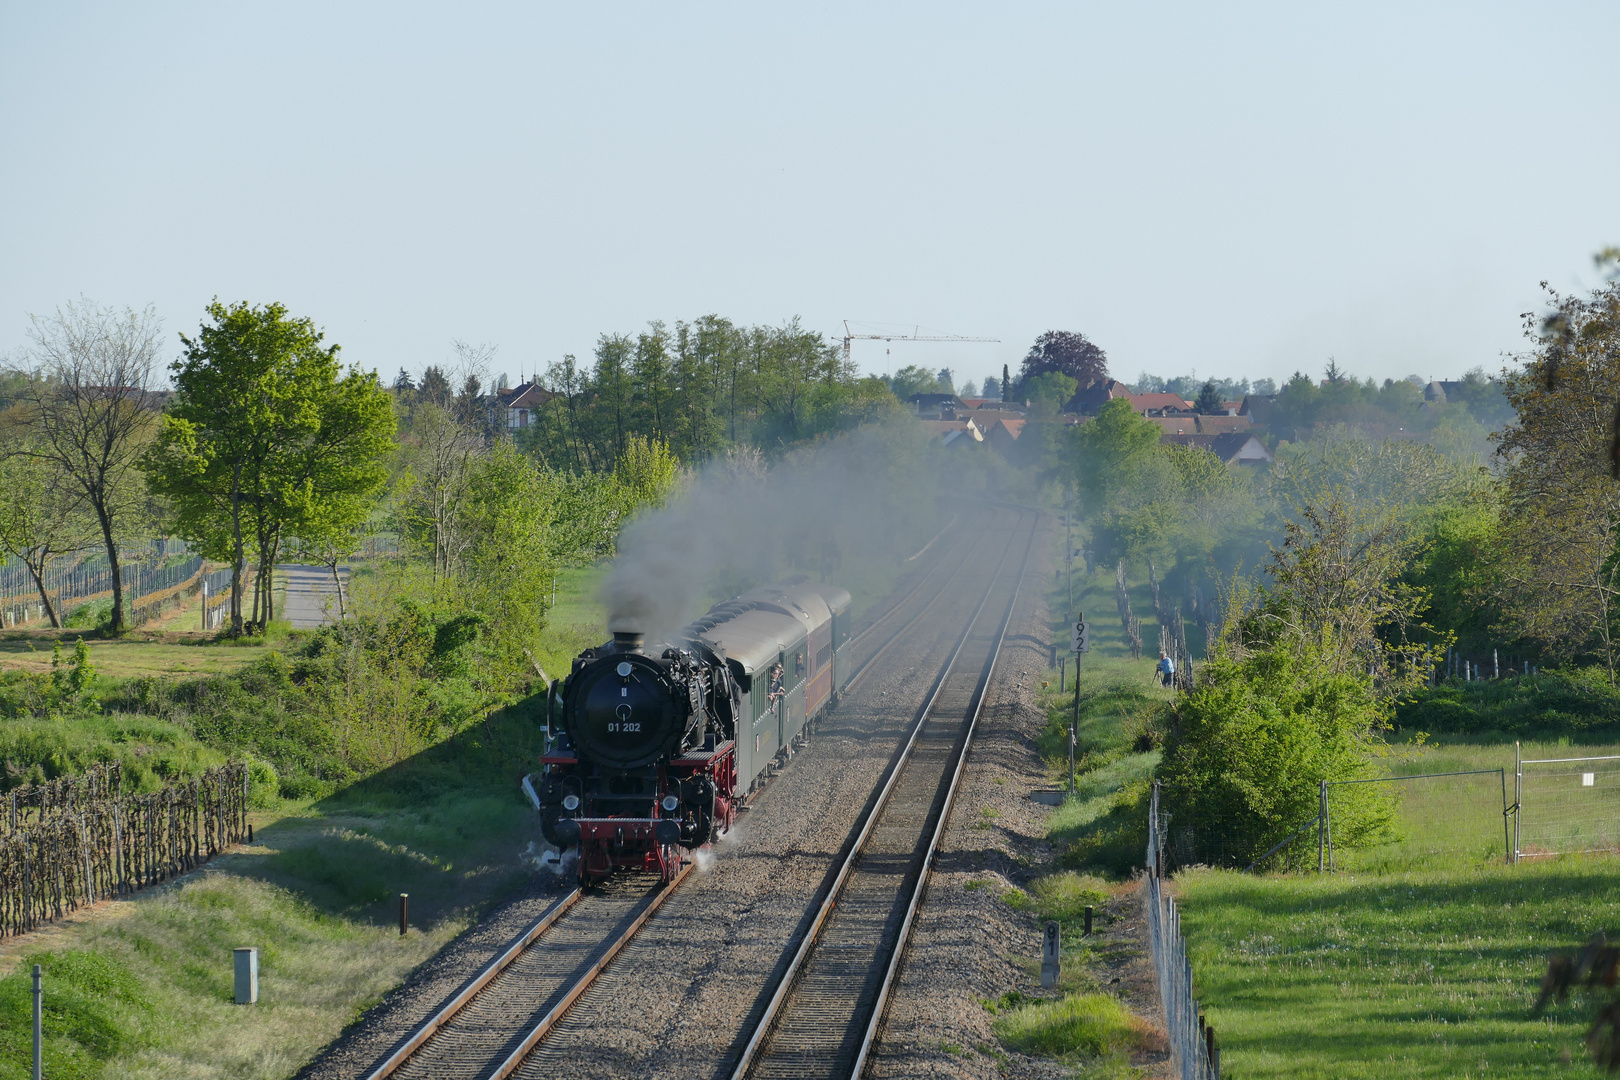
{"x": 1410, "y": 974}
{"x": 317, "y": 893}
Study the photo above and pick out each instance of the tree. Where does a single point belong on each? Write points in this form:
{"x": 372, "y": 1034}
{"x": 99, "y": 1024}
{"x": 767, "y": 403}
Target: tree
{"x": 1209, "y": 401}
{"x": 42, "y": 516}
{"x": 91, "y": 414}
{"x": 435, "y": 387}
{"x": 1048, "y": 393}
{"x": 441, "y": 457}
{"x": 912, "y": 379}
{"x": 1068, "y": 353}
{"x": 1110, "y": 448}
{"x": 266, "y": 434}
{"x": 1560, "y": 508}
{"x": 1006, "y": 384}
{"x": 403, "y": 383}
{"x": 992, "y": 389}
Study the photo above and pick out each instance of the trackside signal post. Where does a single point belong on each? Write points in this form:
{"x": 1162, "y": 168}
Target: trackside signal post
{"x": 1082, "y": 644}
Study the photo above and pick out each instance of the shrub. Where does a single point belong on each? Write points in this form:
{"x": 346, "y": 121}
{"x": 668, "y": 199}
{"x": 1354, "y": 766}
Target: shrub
{"x": 1080, "y": 1025}
{"x": 1250, "y": 745}
{"x": 97, "y": 614}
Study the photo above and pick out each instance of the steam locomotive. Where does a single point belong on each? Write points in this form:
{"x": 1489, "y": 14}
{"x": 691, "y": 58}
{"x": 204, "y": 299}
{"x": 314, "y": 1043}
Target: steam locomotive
{"x": 656, "y": 748}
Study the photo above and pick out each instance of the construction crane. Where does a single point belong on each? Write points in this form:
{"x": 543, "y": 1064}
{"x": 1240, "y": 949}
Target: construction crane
{"x": 915, "y": 335}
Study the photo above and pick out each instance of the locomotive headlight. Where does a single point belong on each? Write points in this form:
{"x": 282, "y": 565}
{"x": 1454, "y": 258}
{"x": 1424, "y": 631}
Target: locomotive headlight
{"x": 624, "y": 669}
{"x": 570, "y": 802}
{"x": 671, "y": 803}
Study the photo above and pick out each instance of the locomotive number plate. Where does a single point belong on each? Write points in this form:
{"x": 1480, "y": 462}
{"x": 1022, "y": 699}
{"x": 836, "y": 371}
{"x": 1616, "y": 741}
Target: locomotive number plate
{"x": 628, "y": 725}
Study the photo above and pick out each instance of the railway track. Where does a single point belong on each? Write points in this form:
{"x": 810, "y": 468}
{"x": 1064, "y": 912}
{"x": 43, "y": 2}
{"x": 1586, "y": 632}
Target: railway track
{"x": 491, "y": 1024}
{"x": 828, "y": 1006}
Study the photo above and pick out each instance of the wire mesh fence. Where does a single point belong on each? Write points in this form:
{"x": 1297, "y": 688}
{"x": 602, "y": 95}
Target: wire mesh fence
{"x": 1194, "y": 1053}
{"x": 1420, "y": 820}
{"x": 72, "y": 580}
{"x": 1566, "y": 805}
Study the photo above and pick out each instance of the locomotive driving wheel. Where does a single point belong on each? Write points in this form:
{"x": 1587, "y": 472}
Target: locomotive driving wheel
{"x": 671, "y": 862}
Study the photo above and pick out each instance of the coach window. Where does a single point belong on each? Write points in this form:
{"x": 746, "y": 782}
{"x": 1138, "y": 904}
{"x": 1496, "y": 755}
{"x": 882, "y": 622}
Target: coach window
{"x": 798, "y": 664}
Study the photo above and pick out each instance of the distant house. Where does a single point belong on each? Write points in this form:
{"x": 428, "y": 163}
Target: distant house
{"x": 954, "y": 432}
{"x": 1257, "y": 407}
{"x": 1159, "y": 404}
{"x": 520, "y": 404}
{"x": 1221, "y": 425}
{"x": 1440, "y": 389}
{"x": 1230, "y": 408}
{"x": 936, "y": 405}
{"x": 1175, "y": 425}
{"x": 1233, "y": 447}
{"x": 1094, "y": 395}
{"x": 1003, "y": 434}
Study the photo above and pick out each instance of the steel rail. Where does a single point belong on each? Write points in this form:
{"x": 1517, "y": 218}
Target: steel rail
{"x": 829, "y": 903}
{"x": 921, "y": 886}
{"x": 479, "y": 984}
{"x": 558, "y": 1011}
{"x": 472, "y": 986}
{"x": 909, "y": 623}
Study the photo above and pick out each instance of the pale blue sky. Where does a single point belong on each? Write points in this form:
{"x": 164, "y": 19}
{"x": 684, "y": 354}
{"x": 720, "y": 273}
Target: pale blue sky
{"x": 1243, "y": 190}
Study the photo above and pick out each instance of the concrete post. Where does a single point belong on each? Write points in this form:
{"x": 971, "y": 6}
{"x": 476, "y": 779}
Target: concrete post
{"x": 1051, "y": 956}
{"x": 247, "y": 976}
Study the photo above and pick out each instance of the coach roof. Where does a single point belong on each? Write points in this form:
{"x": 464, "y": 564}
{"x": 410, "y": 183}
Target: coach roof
{"x": 752, "y": 639}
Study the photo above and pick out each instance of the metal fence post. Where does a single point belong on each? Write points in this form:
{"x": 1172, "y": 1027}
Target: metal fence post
{"x": 39, "y": 1029}
{"x": 1321, "y": 830}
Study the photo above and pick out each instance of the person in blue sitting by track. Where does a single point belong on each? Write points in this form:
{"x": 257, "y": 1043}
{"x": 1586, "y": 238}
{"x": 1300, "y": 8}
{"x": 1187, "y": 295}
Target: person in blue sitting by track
{"x": 1166, "y": 669}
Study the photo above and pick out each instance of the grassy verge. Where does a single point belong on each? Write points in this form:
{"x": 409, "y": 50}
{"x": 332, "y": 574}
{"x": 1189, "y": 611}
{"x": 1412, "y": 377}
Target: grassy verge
{"x": 1412, "y": 974}
{"x": 317, "y": 894}
{"x": 1098, "y": 835}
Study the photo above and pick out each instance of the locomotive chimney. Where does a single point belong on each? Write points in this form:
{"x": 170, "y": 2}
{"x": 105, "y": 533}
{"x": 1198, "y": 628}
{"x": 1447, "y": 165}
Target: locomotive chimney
{"x": 627, "y": 641}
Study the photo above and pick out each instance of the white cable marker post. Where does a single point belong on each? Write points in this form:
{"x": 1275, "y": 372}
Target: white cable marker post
{"x": 1082, "y": 644}
{"x": 1051, "y": 956}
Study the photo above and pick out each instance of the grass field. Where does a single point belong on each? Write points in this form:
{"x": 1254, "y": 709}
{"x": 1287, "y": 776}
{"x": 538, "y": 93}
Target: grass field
{"x": 1412, "y": 974}
{"x": 317, "y": 893}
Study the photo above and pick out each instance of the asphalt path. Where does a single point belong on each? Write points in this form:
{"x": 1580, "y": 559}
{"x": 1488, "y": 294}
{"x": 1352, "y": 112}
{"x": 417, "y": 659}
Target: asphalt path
{"x": 312, "y": 596}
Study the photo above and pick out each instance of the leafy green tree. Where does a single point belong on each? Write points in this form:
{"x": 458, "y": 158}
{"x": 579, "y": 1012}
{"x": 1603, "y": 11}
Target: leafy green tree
{"x": 912, "y": 379}
{"x": 1560, "y": 504}
{"x": 1250, "y": 745}
{"x": 1112, "y": 449}
{"x": 266, "y": 433}
{"x": 1048, "y": 393}
{"x": 1066, "y": 352}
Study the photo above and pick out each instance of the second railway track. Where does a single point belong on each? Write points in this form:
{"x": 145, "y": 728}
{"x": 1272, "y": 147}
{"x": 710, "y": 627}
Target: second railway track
{"x": 828, "y": 1007}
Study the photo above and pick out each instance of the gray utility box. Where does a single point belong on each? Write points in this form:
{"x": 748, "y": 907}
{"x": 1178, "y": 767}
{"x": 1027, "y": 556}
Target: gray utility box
{"x": 247, "y": 976}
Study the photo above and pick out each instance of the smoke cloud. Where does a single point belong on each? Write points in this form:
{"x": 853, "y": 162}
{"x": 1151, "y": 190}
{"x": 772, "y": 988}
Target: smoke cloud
{"x": 842, "y": 511}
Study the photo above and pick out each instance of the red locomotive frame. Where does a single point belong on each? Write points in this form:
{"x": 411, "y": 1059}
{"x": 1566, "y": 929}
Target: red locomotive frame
{"x": 624, "y": 842}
